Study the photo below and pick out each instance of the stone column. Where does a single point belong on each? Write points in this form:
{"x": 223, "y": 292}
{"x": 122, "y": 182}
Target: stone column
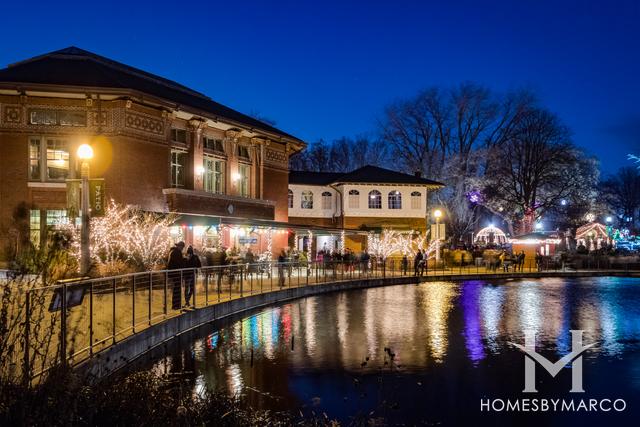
{"x": 193, "y": 176}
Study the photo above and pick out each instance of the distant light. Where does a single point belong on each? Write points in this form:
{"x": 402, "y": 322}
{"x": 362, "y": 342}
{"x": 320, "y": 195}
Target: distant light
{"x": 199, "y": 170}
{"x": 372, "y": 197}
{"x": 235, "y": 176}
{"x": 85, "y": 152}
{"x": 609, "y": 219}
{"x": 538, "y": 226}
{"x": 491, "y": 225}
{"x": 563, "y": 202}
{"x": 397, "y": 192}
{"x": 437, "y": 213}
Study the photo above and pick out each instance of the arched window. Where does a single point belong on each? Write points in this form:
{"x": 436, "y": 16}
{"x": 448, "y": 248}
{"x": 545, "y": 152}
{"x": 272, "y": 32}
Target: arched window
{"x": 326, "y": 200}
{"x": 416, "y": 200}
{"x": 354, "y": 199}
{"x": 290, "y": 195}
{"x": 306, "y": 202}
{"x": 395, "y": 200}
{"x": 375, "y": 199}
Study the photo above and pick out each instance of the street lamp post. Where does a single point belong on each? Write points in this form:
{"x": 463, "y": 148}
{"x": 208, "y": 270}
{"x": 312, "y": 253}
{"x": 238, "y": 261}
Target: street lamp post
{"x": 85, "y": 153}
{"x": 437, "y": 214}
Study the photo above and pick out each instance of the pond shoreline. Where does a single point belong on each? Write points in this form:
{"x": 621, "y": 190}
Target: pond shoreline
{"x": 125, "y": 352}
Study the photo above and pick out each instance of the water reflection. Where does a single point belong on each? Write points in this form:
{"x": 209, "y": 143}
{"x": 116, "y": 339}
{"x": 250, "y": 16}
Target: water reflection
{"x": 471, "y": 309}
{"x": 436, "y": 301}
{"x": 314, "y": 348}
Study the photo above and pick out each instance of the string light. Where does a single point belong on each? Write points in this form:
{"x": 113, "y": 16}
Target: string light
{"x": 127, "y": 234}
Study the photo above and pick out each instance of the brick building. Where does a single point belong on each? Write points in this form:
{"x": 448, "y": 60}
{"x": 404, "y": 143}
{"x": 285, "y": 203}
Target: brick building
{"x": 158, "y": 145}
{"x": 366, "y": 199}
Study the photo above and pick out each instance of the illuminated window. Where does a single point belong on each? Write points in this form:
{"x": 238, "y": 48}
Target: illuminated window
{"x": 395, "y": 200}
{"x": 56, "y": 217}
{"x": 326, "y": 200}
{"x": 290, "y": 199}
{"x": 178, "y": 163}
{"x": 306, "y": 202}
{"x": 48, "y": 159}
{"x": 375, "y": 199}
{"x": 34, "y": 227}
{"x": 354, "y": 199}
{"x": 245, "y": 173}
{"x": 213, "y": 175}
{"x": 34, "y": 159}
{"x": 57, "y": 159}
{"x": 416, "y": 200}
{"x": 53, "y": 219}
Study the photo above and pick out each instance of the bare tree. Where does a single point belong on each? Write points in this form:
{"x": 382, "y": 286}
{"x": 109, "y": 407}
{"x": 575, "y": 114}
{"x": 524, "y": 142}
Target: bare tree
{"x": 622, "y": 193}
{"x": 442, "y": 133}
{"x": 536, "y": 167}
{"x": 342, "y": 155}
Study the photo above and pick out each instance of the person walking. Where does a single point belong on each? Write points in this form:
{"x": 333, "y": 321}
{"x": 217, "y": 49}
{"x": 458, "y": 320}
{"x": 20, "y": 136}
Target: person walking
{"x": 405, "y": 264}
{"x": 416, "y": 262}
{"x": 521, "y": 258}
{"x": 192, "y": 263}
{"x": 176, "y": 262}
{"x": 250, "y": 260}
{"x": 282, "y": 258}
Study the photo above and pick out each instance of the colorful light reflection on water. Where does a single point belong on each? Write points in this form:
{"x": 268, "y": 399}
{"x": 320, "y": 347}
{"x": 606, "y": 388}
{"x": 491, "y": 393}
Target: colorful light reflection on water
{"x": 450, "y": 342}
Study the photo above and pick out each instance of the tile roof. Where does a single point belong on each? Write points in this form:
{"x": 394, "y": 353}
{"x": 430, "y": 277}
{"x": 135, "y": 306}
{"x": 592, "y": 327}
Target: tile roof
{"x": 364, "y": 175}
{"x": 77, "y": 67}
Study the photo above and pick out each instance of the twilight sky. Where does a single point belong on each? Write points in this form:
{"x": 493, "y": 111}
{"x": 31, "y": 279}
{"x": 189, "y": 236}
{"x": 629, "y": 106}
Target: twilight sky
{"x": 326, "y": 69}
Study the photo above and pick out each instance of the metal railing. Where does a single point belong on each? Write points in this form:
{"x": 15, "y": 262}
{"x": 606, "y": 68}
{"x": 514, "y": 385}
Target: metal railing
{"x": 72, "y": 321}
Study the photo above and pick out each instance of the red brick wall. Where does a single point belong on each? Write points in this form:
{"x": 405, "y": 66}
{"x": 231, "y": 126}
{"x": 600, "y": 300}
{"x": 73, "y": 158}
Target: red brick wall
{"x": 276, "y": 184}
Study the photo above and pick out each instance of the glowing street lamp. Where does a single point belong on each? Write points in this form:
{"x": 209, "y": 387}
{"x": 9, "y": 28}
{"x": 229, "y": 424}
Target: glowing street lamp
{"x": 85, "y": 153}
{"x": 437, "y": 214}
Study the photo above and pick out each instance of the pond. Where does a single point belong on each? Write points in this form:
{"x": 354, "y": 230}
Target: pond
{"x": 429, "y": 353}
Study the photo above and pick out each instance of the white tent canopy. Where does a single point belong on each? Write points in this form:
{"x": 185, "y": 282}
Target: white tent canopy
{"x": 490, "y": 235}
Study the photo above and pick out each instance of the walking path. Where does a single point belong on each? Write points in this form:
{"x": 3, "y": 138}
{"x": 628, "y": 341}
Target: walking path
{"x": 103, "y": 311}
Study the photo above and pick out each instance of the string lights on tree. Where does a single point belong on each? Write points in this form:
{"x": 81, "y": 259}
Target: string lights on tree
{"x": 126, "y": 235}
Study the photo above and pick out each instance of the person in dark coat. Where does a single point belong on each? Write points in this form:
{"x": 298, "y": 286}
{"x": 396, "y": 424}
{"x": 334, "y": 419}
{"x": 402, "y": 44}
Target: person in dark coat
{"x": 417, "y": 261}
{"x": 405, "y": 264}
{"x": 176, "y": 262}
{"x": 250, "y": 260}
{"x": 193, "y": 263}
{"x": 282, "y": 259}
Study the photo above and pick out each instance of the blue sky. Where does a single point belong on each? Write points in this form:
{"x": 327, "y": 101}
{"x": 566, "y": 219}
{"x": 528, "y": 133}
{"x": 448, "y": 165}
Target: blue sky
{"x": 327, "y": 69}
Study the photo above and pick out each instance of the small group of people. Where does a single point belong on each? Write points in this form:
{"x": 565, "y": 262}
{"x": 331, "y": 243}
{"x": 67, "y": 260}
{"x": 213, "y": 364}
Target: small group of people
{"x": 505, "y": 261}
{"x": 178, "y": 261}
{"x": 419, "y": 263}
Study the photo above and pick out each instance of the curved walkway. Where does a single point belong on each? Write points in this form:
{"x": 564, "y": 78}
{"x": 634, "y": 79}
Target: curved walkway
{"x": 123, "y": 352}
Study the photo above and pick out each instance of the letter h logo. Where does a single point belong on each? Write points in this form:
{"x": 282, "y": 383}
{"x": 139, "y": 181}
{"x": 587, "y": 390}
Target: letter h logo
{"x": 531, "y": 356}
